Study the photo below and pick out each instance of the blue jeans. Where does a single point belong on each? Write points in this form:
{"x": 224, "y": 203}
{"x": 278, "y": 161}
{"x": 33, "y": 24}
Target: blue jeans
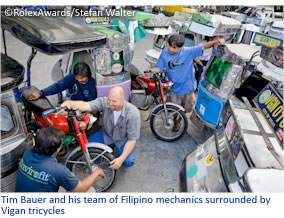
{"x": 99, "y": 138}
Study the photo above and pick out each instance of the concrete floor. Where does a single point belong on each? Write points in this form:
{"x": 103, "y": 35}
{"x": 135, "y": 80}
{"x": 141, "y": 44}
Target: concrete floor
{"x": 157, "y": 163}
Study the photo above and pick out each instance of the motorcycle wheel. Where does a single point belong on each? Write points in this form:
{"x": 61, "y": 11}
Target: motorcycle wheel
{"x": 164, "y": 131}
{"x": 79, "y": 167}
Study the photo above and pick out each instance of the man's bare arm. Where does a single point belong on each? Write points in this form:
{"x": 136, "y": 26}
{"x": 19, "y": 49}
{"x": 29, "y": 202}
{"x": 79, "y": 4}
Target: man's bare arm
{"x": 81, "y": 105}
{"x": 210, "y": 44}
{"x": 88, "y": 181}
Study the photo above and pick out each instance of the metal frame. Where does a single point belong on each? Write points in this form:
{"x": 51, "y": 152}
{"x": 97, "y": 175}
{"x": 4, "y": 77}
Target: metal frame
{"x": 265, "y": 136}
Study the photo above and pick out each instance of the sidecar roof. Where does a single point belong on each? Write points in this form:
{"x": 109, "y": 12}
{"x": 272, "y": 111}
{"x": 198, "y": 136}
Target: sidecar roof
{"x": 53, "y": 35}
{"x": 12, "y": 73}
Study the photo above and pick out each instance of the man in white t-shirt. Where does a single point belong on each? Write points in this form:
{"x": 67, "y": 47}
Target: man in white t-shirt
{"x": 261, "y": 14}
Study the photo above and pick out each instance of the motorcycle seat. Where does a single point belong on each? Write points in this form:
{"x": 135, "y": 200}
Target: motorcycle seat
{"x": 38, "y": 106}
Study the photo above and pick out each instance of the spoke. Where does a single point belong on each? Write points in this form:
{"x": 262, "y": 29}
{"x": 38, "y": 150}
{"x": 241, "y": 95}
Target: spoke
{"x": 81, "y": 171}
{"x": 159, "y": 115}
{"x": 76, "y": 162}
{"x": 168, "y": 133}
{"x": 98, "y": 156}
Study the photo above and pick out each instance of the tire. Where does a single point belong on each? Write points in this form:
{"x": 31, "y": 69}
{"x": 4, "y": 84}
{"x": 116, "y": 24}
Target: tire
{"x": 81, "y": 170}
{"x": 165, "y": 133}
{"x": 144, "y": 108}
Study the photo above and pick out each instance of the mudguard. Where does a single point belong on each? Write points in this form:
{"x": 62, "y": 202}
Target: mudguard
{"x": 90, "y": 145}
{"x": 168, "y": 103}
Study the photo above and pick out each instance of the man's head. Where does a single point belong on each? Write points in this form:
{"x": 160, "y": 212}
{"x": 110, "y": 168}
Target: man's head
{"x": 175, "y": 41}
{"x": 48, "y": 140}
{"x": 262, "y": 10}
{"x": 82, "y": 72}
{"x": 116, "y": 98}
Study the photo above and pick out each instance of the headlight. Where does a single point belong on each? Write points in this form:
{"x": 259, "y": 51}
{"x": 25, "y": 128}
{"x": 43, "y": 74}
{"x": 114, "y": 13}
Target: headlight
{"x": 92, "y": 119}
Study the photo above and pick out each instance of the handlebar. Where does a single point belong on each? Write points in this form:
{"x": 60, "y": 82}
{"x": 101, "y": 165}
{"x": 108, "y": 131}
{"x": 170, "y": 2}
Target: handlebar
{"x": 159, "y": 76}
{"x": 154, "y": 75}
{"x": 60, "y": 110}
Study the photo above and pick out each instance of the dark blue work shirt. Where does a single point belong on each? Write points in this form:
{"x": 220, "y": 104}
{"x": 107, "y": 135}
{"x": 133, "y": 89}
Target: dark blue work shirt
{"x": 78, "y": 91}
{"x": 41, "y": 173}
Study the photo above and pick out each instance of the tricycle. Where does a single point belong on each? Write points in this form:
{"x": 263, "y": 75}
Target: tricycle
{"x": 246, "y": 152}
{"x": 55, "y": 36}
{"x": 15, "y": 138}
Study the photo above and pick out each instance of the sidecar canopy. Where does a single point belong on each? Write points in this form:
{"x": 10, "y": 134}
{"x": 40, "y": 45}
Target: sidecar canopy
{"x": 12, "y": 73}
{"x": 53, "y": 35}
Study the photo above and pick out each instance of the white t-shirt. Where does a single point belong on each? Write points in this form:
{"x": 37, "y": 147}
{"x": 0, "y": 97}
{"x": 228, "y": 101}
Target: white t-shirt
{"x": 116, "y": 115}
{"x": 260, "y": 15}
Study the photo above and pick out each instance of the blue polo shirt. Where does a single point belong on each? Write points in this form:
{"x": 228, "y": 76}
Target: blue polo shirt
{"x": 179, "y": 68}
{"x": 41, "y": 173}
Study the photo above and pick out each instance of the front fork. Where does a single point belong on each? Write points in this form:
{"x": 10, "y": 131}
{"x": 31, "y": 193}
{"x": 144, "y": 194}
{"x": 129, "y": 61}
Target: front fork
{"x": 88, "y": 160}
{"x": 82, "y": 139}
{"x": 164, "y": 101}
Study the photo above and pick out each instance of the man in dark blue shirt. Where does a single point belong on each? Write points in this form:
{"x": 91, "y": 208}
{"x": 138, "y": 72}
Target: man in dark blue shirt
{"x": 39, "y": 170}
{"x": 80, "y": 85}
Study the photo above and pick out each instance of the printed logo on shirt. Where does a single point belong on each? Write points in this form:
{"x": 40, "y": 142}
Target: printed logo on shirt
{"x": 173, "y": 64}
{"x": 86, "y": 93}
{"x": 74, "y": 90}
{"x": 32, "y": 174}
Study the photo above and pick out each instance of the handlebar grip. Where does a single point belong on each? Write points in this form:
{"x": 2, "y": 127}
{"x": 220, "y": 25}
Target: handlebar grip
{"x": 48, "y": 112}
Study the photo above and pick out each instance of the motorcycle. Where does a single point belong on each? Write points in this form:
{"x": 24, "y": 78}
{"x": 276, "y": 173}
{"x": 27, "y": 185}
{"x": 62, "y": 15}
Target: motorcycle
{"x": 86, "y": 157}
{"x": 43, "y": 35}
{"x": 147, "y": 90}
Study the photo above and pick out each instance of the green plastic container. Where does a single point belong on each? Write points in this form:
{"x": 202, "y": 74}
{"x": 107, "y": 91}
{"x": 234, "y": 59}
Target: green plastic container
{"x": 217, "y": 71}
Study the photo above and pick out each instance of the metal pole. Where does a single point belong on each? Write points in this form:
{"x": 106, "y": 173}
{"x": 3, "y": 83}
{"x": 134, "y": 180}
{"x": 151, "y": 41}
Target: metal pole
{"x": 4, "y": 41}
{"x": 32, "y": 55}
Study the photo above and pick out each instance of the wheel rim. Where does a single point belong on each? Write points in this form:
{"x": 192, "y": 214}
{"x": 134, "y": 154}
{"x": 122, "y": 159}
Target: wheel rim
{"x": 164, "y": 130}
{"x": 81, "y": 170}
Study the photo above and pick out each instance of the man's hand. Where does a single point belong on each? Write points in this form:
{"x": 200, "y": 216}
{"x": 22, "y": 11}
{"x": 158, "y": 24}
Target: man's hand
{"x": 220, "y": 41}
{"x": 100, "y": 172}
{"x": 83, "y": 106}
{"x": 116, "y": 163}
{"x": 33, "y": 96}
{"x": 148, "y": 72}
{"x": 88, "y": 181}
{"x": 67, "y": 104}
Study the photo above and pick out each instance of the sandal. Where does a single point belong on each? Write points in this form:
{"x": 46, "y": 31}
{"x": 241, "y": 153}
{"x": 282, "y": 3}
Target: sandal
{"x": 177, "y": 125}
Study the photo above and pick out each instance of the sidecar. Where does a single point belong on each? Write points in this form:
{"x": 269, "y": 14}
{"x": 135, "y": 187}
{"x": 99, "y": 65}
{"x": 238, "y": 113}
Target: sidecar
{"x": 246, "y": 152}
{"x": 14, "y": 135}
{"x": 161, "y": 27}
{"x": 204, "y": 24}
{"x": 54, "y": 36}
